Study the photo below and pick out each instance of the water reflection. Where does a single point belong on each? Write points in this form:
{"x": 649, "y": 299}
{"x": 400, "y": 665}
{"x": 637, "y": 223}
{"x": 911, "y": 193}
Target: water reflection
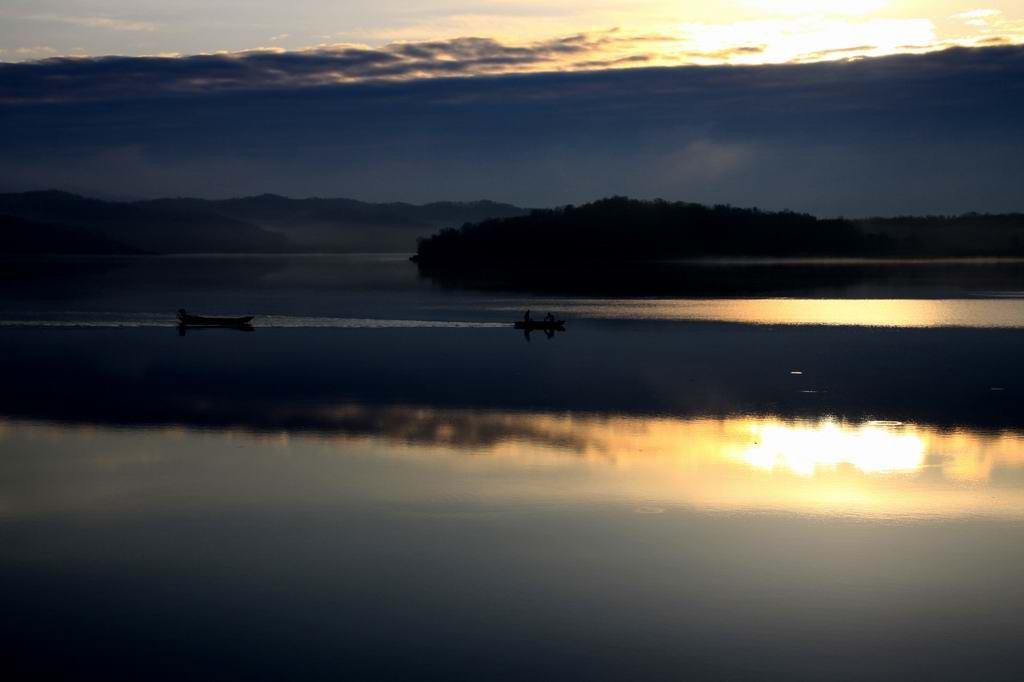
{"x": 1005, "y": 310}
{"x": 752, "y": 463}
{"x": 804, "y": 449}
{"x": 637, "y": 499}
{"x": 801, "y": 447}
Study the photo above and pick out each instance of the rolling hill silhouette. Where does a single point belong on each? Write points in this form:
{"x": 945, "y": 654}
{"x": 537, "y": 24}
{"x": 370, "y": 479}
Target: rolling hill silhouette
{"x": 261, "y": 224}
{"x": 493, "y": 235}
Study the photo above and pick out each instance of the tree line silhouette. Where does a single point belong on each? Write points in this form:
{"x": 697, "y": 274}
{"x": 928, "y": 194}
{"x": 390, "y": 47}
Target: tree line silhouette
{"x": 619, "y": 229}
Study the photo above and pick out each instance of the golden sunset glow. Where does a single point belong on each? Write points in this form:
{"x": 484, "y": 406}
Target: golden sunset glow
{"x": 821, "y": 466}
{"x": 980, "y": 313}
{"x": 647, "y": 32}
{"x": 736, "y": 32}
{"x": 816, "y": 466}
{"x": 805, "y": 449}
{"x": 816, "y": 6}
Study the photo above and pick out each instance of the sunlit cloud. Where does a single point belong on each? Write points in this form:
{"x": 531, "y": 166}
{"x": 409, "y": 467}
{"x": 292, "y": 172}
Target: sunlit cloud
{"x": 273, "y": 66}
{"x": 808, "y": 38}
{"x": 990, "y": 27}
{"x": 534, "y": 37}
{"x": 744, "y": 43}
{"x": 978, "y": 14}
{"x": 101, "y": 22}
{"x": 729, "y": 32}
{"x": 806, "y": 7}
{"x": 33, "y": 52}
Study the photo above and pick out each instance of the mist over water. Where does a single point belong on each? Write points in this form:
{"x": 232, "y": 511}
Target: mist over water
{"x": 386, "y": 479}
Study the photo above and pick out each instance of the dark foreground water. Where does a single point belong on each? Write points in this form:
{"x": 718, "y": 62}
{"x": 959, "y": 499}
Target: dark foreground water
{"x": 385, "y": 481}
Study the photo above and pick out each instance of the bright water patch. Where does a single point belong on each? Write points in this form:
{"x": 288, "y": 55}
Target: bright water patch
{"x": 1005, "y": 312}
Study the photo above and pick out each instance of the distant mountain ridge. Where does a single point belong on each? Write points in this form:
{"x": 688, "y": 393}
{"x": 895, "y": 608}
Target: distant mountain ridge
{"x": 318, "y": 224}
{"x": 141, "y": 228}
{"x": 266, "y": 223}
{"x": 615, "y": 228}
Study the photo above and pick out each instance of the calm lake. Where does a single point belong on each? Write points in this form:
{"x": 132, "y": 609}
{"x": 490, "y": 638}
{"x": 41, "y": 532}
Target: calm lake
{"x": 818, "y": 475}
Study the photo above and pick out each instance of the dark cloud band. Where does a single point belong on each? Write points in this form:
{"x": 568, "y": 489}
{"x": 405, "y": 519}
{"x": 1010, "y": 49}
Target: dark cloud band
{"x": 939, "y": 132}
{"x": 67, "y": 79}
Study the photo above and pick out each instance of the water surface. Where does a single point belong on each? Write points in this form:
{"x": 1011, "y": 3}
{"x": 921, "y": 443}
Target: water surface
{"x": 385, "y": 481}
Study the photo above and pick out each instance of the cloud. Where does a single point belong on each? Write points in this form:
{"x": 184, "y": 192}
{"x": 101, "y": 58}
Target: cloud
{"x": 707, "y": 159}
{"x": 794, "y": 39}
{"x": 68, "y": 79}
{"x": 31, "y": 52}
{"x": 272, "y": 67}
{"x": 805, "y": 7}
{"x": 978, "y": 14}
{"x": 726, "y": 54}
{"x": 96, "y": 78}
{"x": 822, "y": 55}
{"x": 939, "y": 132}
{"x": 100, "y": 22}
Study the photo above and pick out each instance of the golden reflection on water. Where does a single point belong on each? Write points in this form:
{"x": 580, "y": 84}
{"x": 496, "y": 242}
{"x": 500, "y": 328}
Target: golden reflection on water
{"x": 804, "y": 448}
{"x": 749, "y": 463}
{"x": 977, "y": 313}
{"x": 822, "y": 466}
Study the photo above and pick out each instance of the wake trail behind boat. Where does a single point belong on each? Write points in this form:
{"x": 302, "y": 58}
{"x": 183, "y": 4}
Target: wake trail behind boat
{"x": 144, "y": 320}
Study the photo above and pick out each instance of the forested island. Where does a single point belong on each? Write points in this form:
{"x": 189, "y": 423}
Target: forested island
{"x": 622, "y": 230}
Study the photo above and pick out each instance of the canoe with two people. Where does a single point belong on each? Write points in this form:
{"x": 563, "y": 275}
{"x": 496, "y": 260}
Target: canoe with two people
{"x": 548, "y": 323}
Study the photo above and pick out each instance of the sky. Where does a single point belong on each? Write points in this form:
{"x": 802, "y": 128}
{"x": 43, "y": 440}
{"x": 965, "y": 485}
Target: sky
{"x": 662, "y": 31}
{"x": 833, "y": 107}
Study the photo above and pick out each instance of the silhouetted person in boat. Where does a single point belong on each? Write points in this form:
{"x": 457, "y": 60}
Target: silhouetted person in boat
{"x": 526, "y": 317}
{"x": 182, "y": 314}
{"x": 549, "y": 318}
